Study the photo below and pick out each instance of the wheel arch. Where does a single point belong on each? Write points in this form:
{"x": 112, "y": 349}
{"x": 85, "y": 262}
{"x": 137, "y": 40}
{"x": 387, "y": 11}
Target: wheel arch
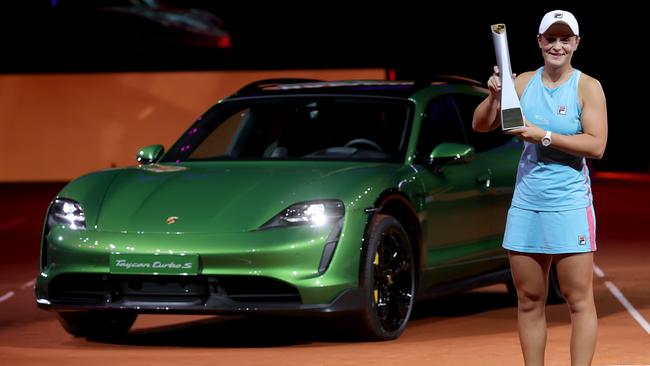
{"x": 396, "y": 204}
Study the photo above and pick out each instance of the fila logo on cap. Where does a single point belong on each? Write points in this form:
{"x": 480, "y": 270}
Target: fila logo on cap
{"x": 555, "y": 16}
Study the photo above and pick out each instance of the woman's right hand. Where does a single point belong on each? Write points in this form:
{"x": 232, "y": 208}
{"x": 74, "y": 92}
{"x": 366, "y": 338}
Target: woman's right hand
{"x": 494, "y": 83}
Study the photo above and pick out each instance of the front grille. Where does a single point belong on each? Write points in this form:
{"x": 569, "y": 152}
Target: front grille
{"x": 97, "y": 289}
{"x": 79, "y": 289}
{"x": 258, "y": 289}
{"x": 160, "y": 288}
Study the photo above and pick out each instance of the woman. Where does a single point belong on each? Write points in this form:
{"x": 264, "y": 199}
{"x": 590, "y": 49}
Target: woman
{"x": 552, "y": 217}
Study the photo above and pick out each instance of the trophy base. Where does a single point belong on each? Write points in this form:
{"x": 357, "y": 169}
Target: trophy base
{"x": 512, "y": 118}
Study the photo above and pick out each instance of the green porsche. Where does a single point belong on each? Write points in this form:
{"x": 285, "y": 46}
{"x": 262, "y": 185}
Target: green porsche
{"x": 348, "y": 199}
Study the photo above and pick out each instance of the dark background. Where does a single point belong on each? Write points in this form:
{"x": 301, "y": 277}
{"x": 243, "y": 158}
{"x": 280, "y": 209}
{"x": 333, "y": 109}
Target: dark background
{"x": 416, "y": 39}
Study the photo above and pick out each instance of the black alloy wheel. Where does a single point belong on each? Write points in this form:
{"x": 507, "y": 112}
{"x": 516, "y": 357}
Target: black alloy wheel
{"x": 388, "y": 279}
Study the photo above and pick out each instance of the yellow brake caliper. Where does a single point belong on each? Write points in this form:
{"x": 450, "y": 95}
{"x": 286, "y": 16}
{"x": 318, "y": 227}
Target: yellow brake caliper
{"x": 376, "y": 263}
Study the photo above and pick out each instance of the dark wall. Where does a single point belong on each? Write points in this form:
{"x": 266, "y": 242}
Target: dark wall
{"x": 417, "y": 41}
{"x": 455, "y": 39}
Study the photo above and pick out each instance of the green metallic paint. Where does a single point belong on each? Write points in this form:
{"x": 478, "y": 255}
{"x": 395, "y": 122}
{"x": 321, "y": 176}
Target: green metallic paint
{"x": 227, "y": 236}
{"x": 150, "y": 154}
{"x": 230, "y": 196}
{"x": 452, "y": 152}
{"x": 219, "y": 207}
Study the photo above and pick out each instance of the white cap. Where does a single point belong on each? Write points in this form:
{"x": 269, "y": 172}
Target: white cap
{"x": 555, "y": 16}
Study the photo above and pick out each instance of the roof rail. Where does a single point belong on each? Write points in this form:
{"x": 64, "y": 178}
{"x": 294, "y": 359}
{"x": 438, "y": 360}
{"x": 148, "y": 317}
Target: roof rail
{"x": 423, "y": 83}
{"x": 259, "y": 84}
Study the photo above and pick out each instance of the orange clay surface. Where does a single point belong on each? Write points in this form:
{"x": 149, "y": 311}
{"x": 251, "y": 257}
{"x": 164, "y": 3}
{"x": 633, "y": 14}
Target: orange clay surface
{"x": 474, "y": 328}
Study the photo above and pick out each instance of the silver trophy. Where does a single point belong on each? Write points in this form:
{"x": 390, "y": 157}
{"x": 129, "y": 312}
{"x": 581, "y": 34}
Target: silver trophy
{"x": 511, "y": 116}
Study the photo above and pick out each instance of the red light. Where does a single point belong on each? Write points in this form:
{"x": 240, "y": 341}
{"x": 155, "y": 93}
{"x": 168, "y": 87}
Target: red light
{"x": 224, "y": 42}
{"x": 638, "y": 177}
{"x": 391, "y": 74}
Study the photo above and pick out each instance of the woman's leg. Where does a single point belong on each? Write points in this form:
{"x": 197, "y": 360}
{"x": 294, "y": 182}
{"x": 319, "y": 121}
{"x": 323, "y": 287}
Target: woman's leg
{"x": 575, "y": 272}
{"x": 530, "y": 275}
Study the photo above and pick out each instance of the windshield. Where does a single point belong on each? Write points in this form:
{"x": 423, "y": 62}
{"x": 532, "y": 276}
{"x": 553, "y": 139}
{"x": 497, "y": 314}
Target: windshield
{"x": 298, "y": 128}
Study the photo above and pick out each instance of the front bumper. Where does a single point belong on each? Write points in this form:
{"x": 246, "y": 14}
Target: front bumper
{"x": 187, "y": 295}
{"x": 268, "y": 271}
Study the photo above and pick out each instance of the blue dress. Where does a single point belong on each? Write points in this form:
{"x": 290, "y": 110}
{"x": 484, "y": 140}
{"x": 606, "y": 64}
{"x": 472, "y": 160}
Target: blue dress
{"x": 552, "y": 206}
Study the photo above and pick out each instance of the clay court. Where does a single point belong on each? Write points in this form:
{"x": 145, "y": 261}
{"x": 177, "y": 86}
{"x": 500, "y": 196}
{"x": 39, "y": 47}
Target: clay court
{"x": 474, "y": 328}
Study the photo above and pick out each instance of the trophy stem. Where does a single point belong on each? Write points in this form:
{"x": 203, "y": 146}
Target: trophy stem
{"x": 511, "y": 115}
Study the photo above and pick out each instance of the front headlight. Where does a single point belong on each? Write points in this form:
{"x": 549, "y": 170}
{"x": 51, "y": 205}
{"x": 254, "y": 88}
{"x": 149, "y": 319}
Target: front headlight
{"x": 314, "y": 213}
{"x": 68, "y": 213}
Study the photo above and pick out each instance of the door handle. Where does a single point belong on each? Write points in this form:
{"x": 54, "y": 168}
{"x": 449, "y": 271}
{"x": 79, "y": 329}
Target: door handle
{"x": 485, "y": 179}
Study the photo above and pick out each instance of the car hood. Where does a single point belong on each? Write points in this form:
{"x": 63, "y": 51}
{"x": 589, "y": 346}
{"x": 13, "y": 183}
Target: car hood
{"x": 229, "y": 197}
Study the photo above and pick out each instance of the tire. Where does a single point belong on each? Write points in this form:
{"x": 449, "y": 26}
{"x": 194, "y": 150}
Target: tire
{"x": 388, "y": 282}
{"x": 96, "y": 324}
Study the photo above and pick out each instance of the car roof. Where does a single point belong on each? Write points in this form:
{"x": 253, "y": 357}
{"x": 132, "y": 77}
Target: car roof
{"x": 388, "y": 88}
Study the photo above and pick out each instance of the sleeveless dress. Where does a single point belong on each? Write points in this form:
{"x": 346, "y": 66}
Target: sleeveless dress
{"x": 552, "y": 206}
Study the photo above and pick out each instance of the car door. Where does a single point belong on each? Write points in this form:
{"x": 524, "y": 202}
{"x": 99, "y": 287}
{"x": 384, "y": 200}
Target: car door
{"x": 453, "y": 218}
{"x": 497, "y": 155}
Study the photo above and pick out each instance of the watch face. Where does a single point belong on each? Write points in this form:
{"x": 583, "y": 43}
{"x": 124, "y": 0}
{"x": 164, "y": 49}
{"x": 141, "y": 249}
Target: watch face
{"x": 546, "y": 141}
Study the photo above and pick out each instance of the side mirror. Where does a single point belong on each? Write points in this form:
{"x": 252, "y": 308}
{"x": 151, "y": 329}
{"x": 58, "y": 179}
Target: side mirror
{"x": 150, "y": 154}
{"x": 449, "y": 153}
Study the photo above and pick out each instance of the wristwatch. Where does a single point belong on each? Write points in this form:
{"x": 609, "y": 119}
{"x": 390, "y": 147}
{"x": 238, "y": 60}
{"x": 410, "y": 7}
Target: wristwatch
{"x": 546, "y": 140}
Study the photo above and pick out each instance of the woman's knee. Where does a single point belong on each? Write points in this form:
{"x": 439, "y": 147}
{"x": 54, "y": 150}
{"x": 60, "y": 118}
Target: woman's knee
{"x": 579, "y": 301}
{"x": 530, "y": 300}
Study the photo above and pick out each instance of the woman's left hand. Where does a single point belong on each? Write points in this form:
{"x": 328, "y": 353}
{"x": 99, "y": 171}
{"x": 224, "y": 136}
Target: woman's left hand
{"x": 530, "y": 133}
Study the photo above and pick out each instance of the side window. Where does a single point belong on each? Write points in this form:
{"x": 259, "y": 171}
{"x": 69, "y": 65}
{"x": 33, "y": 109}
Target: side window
{"x": 441, "y": 123}
{"x": 480, "y": 141}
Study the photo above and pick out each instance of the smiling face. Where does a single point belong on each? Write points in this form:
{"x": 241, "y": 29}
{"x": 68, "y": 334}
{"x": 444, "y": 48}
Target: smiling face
{"x": 558, "y": 44}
